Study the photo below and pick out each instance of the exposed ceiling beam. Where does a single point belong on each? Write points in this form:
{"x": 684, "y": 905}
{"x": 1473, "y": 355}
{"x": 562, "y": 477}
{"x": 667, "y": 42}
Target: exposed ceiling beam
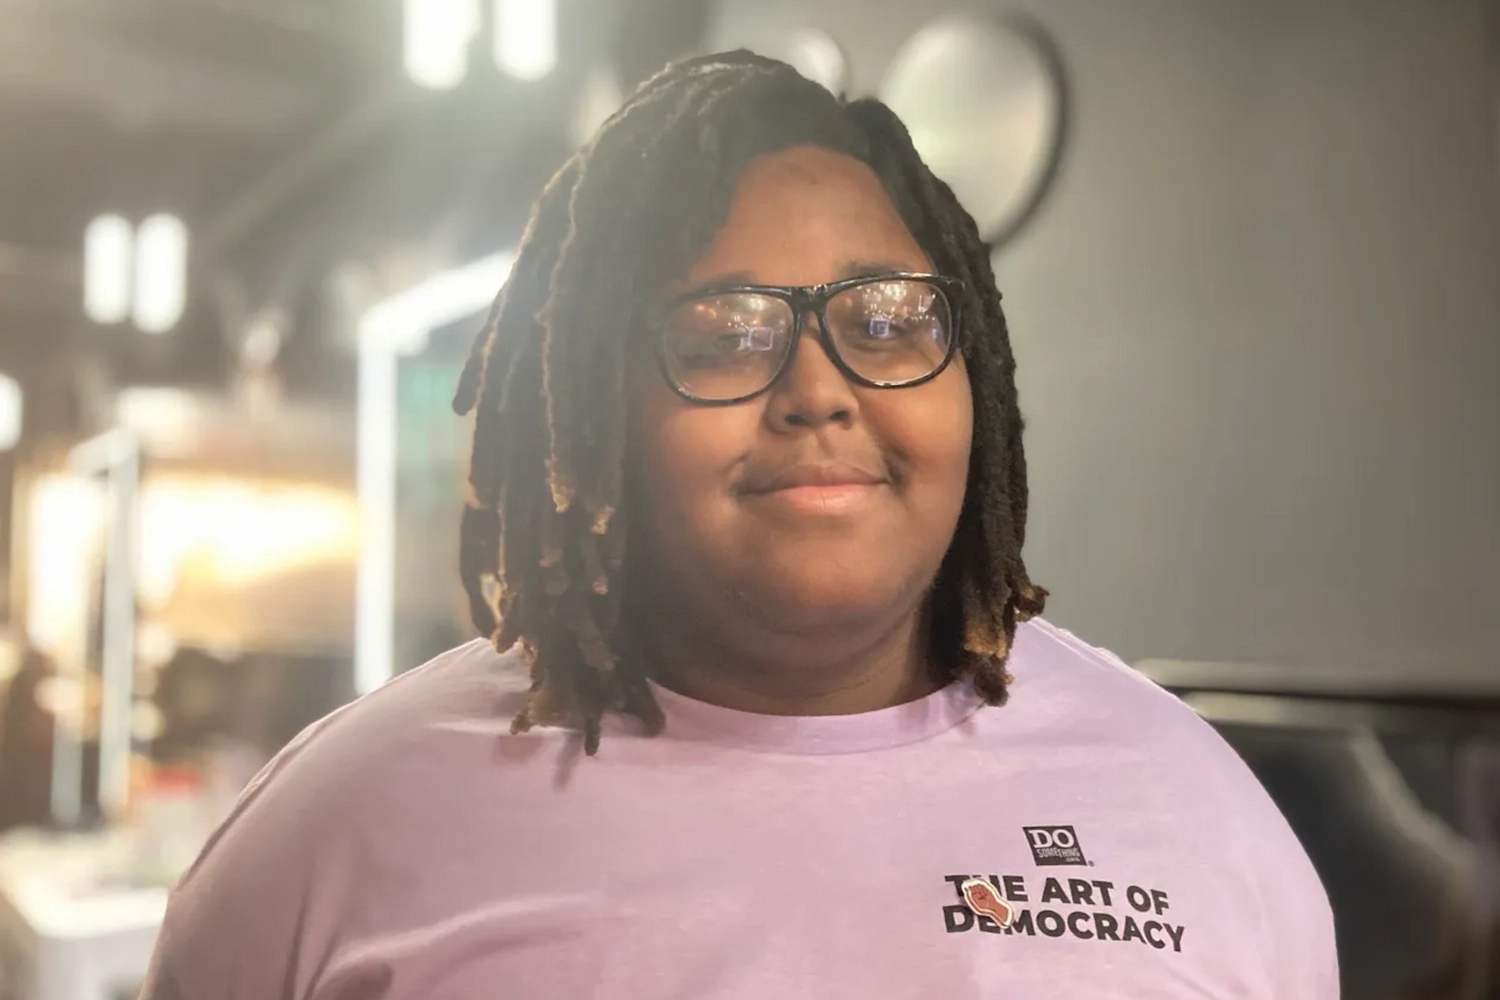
{"x": 317, "y": 158}
{"x": 47, "y": 266}
{"x": 48, "y": 58}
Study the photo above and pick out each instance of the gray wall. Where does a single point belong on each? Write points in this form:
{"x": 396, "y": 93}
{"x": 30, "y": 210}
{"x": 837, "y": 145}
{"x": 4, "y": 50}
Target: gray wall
{"x": 1258, "y": 324}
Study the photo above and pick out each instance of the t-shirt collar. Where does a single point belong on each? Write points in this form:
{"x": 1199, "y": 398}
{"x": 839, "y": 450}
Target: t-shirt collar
{"x": 689, "y": 719}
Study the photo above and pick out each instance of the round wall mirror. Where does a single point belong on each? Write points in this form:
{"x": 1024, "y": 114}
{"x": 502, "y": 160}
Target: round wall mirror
{"x": 813, "y": 52}
{"x": 985, "y": 100}
{"x": 818, "y": 57}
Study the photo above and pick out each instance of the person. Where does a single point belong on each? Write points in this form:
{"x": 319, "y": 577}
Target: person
{"x": 195, "y": 699}
{"x": 26, "y": 737}
{"x": 745, "y": 536}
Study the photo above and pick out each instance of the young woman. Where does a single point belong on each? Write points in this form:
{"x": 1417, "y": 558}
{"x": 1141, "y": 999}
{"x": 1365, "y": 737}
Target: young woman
{"x": 748, "y": 507}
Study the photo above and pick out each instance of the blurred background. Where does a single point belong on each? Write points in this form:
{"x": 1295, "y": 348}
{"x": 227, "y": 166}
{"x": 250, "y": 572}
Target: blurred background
{"x": 1251, "y": 260}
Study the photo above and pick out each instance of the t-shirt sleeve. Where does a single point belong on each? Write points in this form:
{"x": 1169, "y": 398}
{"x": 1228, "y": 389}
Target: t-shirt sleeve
{"x": 279, "y": 892}
{"x": 1283, "y": 921}
{"x": 248, "y": 921}
{"x": 1310, "y": 963}
{"x": 1295, "y": 915}
{"x": 231, "y": 927}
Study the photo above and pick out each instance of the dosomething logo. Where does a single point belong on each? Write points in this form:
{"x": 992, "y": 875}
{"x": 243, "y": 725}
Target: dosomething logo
{"x": 1054, "y": 845}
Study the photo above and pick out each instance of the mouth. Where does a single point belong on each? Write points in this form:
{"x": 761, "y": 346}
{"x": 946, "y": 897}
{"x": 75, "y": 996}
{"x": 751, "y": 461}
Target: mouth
{"x": 834, "y": 488}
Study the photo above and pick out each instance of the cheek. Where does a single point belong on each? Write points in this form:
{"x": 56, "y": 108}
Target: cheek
{"x": 933, "y": 430}
{"x": 687, "y": 453}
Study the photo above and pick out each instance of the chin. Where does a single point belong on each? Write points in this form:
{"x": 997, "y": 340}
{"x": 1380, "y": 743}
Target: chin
{"x": 821, "y": 600}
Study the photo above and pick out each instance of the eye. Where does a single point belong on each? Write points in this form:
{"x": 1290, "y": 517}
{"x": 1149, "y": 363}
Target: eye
{"x": 889, "y": 322}
{"x": 757, "y": 338}
{"x": 750, "y": 340}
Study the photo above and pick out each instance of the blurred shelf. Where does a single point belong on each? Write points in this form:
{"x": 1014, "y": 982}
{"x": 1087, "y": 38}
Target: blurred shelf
{"x": 1411, "y": 686}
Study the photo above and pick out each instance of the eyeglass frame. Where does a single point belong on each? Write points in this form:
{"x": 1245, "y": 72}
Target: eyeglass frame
{"x": 804, "y": 299}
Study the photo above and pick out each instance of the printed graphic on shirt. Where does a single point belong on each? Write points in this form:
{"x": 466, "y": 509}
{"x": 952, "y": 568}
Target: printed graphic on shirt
{"x": 1085, "y": 909}
{"x": 985, "y": 900}
{"x": 1054, "y": 845}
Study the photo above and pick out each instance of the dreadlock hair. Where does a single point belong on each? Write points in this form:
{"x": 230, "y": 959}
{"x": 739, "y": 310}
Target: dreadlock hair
{"x": 543, "y": 543}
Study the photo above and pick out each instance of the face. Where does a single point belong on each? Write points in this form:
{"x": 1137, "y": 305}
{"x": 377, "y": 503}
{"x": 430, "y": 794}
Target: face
{"x": 820, "y": 503}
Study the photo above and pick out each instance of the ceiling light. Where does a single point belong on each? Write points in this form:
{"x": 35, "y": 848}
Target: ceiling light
{"x": 436, "y": 39}
{"x": 161, "y": 249}
{"x": 526, "y": 37}
{"x": 106, "y": 269}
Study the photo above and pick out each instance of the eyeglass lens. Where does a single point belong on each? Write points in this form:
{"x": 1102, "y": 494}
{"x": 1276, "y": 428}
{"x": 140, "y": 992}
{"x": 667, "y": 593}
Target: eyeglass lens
{"x": 730, "y": 345}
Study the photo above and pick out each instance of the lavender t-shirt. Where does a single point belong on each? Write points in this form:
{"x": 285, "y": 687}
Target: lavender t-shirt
{"x": 1092, "y": 839}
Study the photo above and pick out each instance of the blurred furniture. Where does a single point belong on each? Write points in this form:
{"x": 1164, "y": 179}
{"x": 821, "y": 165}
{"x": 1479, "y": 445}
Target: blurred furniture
{"x": 70, "y": 927}
{"x": 1366, "y": 766}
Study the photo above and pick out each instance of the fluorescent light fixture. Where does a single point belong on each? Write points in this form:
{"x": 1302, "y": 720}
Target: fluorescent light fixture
{"x": 435, "y": 41}
{"x": 396, "y": 328}
{"x": 401, "y": 323}
{"x": 106, "y": 269}
{"x": 11, "y": 405}
{"x": 161, "y": 250}
{"x": 526, "y": 37}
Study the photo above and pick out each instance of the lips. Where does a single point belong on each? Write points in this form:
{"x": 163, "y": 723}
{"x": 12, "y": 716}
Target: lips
{"x": 812, "y": 475}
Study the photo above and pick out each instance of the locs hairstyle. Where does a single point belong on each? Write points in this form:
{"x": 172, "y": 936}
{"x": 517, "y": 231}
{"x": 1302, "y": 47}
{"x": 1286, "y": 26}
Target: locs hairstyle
{"x": 544, "y": 533}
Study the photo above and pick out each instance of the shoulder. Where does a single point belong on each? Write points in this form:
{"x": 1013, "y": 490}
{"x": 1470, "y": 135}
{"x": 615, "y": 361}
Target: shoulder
{"x": 280, "y": 875}
{"x": 1096, "y": 691}
{"x": 1058, "y": 672}
{"x": 1091, "y": 692}
{"x": 1179, "y": 767}
{"x": 338, "y": 766}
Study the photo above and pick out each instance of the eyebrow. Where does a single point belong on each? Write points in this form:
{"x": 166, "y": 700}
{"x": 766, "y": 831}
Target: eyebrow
{"x": 871, "y": 268}
{"x": 852, "y": 269}
{"x": 718, "y": 282}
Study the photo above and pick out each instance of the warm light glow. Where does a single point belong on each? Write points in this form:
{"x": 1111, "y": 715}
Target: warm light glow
{"x": 221, "y": 531}
{"x": 436, "y": 39}
{"x": 155, "y": 644}
{"x": 526, "y": 37}
{"x": 235, "y": 532}
{"x": 66, "y": 515}
{"x": 11, "y": 400}
{"x": 396, "y": 328}
{"x": 107, "y": 251}
{"x": 164, "y": 415}
{"x": 161, "y": 253}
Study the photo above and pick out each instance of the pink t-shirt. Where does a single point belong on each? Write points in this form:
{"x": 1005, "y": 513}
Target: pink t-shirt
{"x": 1091, "y": 839}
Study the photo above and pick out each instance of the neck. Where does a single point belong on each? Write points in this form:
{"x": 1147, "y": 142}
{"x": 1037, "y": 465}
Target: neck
{"x": 776, "y": 673}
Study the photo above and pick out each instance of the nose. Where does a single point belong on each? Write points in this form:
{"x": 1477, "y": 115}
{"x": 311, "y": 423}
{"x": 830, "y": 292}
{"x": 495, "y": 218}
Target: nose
{"x": 812, "y": 393}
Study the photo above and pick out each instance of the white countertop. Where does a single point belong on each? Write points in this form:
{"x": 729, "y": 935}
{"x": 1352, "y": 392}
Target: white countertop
{"x": 72, "y": 886}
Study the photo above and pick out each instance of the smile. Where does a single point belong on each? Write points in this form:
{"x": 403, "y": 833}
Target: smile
{"x": 827, "y": 490}
{"x": 827, "y": 501}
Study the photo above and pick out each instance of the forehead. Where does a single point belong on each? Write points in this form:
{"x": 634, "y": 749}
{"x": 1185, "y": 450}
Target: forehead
{"x": 806, "y": 215}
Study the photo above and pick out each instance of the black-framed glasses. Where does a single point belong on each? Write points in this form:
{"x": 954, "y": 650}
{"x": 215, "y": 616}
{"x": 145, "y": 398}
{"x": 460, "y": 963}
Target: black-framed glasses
{"x": 885, "y": 331}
